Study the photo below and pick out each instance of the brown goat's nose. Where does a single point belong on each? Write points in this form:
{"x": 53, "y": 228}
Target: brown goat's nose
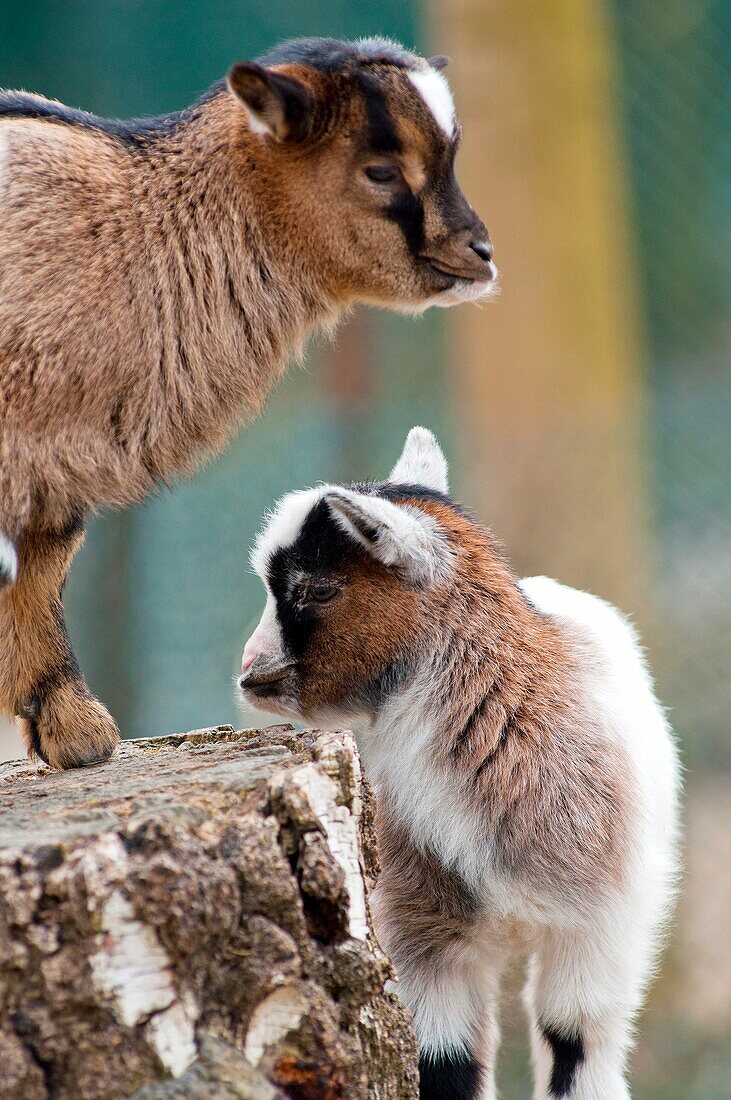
{"x": 483, "y": 250}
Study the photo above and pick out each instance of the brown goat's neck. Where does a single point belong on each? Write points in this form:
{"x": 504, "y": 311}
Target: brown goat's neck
{"x": 237, "y": 294}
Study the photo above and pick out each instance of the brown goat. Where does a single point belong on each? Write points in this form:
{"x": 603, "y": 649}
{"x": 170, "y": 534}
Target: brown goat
{"x": 156, "y": 276}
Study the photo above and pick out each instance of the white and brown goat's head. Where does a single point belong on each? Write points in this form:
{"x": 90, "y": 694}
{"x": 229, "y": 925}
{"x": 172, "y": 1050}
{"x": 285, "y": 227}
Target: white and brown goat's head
{"x": 360, "y": 140}
{"x": 352, "y": 575}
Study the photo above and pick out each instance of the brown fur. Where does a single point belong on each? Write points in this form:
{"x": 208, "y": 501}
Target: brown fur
{"x": 39, "y": 675}
{"x": 338, "y": 662}
{"x": 552, "y": 788}
{"x": 150, "y": 297}
{"x": 424, "y": 909}
{"x": 513, "y": 733}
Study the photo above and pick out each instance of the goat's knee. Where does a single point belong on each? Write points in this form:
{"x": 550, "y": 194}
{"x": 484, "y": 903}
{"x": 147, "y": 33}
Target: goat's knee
{"x": 61, "y": 722}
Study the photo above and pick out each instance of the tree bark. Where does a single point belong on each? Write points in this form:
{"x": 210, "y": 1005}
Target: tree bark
{"x": 191, "y": 920}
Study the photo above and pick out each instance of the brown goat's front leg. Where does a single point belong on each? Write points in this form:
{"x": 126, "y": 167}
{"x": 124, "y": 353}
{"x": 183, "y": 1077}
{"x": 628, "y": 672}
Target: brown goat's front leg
{"x": 40, "y": 680}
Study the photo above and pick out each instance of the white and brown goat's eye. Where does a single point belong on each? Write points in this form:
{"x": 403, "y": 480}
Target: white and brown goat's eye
{"x": 321, "y": 593}
{"x": 383, "y": 173}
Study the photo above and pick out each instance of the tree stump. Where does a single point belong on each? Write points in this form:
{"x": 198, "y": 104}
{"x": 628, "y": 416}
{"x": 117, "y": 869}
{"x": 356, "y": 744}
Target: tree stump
{"x": 191, "y": 920}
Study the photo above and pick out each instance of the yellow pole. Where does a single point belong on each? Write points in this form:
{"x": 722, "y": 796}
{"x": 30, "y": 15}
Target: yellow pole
{"x": 547, "y": 379}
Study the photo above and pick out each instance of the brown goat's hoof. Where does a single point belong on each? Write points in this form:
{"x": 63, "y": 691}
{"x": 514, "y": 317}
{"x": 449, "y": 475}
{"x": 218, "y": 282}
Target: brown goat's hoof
{"x": 68, "y": 728}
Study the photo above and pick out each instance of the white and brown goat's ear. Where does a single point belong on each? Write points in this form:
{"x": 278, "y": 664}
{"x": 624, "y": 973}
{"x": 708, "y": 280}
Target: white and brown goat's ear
{"x": 277, "y": 104}
{"x": 422, "y": 462}
{"x": 399, "y": 536}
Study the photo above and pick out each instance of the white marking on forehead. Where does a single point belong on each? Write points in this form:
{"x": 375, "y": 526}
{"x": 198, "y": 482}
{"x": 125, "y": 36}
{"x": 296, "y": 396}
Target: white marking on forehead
{"x": 282, "y": 526}
{"x": 437, "y": 95}
{"x": 409, "y": 536}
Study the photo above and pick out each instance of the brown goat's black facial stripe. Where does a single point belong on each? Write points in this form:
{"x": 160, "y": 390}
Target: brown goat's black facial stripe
{"x": 454, "y": 1076}
{"x": 382, "y": 135}
{"x": 568, "y": 1054}
{"x": 407, "y": 211}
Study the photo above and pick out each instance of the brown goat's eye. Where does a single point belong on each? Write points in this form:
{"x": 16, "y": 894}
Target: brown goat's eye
{"x": 382, "y": 173}
{"x": 321, "y": 593}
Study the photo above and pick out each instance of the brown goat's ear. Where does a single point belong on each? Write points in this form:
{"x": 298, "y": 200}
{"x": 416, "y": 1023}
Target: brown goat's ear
{"x": 439, "y": 62}
{"x": 277, "y": 105}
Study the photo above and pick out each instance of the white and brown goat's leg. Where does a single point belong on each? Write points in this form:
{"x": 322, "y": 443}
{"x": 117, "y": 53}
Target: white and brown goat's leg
{"x": 40, "y": 680}
{"x": 453, "y": 998}
{"x": 429, "y": 923}
{"x": 582, "y": 994}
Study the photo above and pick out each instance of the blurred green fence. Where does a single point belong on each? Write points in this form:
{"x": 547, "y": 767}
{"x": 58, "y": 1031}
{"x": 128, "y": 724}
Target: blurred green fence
{"x": 676, "y": 92}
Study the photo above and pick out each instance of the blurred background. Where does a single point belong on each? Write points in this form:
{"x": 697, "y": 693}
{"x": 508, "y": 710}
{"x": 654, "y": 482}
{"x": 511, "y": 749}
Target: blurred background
{"x": 587, "y": 411}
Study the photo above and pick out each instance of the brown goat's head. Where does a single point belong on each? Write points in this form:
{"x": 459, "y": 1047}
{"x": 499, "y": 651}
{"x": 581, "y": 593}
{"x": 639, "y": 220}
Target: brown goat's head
{"x": 352, "y": 574}
{"x": 360, "y": 139}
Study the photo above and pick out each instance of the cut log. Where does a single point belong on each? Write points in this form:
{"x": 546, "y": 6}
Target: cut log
{"x": 191, "y": 920}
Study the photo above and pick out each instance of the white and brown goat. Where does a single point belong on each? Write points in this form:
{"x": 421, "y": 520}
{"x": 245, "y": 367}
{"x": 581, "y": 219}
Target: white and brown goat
{"x": 525, "y": 776}
{"x": 156, "y": 276}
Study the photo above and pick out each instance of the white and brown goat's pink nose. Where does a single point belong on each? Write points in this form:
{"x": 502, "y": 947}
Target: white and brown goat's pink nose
{"x": 252, "y": 649}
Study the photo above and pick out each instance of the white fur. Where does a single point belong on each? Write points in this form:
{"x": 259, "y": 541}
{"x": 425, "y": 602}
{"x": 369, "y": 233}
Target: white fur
{"x": 436, "y": 93}
{"x": 589, "y": 962}
{"x": 408, "y": 538}
{"x": 266, "y": 641}
{"x": 463, "y": 291}
{"x": 257, "y": 125}
{"x": 8, "y": 559}
{"x": 422, "y": 462}
{"x": 282, "y": 526}
{"x": 588, "y": 970}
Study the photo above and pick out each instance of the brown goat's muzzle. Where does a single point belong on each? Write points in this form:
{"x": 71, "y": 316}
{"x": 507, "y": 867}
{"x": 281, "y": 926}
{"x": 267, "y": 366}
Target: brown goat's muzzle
{"x": 463, "y": 256}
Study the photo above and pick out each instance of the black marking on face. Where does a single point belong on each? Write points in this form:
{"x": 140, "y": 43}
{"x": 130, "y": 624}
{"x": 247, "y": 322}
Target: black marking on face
{"x": 456, "y": 213}
{"x": 454, "y": 1076}
{"x": 389, "y": 680}
{"x": 407, "y": 211}
{"x": 318, "y": 551}
{"x": 381, "y": 132}
{"x": 568, "y": 1054}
